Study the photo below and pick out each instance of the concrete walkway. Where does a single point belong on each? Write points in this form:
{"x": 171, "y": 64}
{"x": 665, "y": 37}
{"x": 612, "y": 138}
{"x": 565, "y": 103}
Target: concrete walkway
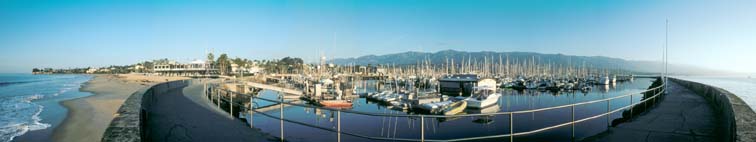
{"x": 174, "y": 117}
{"x": 681, "y": 116}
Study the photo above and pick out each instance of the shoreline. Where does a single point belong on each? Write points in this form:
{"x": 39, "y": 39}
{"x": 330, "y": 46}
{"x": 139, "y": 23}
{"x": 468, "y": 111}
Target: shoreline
{"x": 88, "y": 117}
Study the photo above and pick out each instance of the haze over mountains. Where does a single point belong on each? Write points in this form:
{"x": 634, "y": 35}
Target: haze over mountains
{"x": 441, "y": 57}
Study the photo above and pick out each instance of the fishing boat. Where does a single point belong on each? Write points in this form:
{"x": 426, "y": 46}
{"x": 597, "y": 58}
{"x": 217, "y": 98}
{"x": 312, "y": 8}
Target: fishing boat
{"x": 336, "y": 103}
{"x": 484, "y": 95}
{"x": 455, "y": 108}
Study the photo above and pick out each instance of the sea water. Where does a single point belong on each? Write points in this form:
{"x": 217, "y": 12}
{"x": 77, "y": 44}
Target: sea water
{"x": 32, "y": 102}
{"x": 743, "y": 87}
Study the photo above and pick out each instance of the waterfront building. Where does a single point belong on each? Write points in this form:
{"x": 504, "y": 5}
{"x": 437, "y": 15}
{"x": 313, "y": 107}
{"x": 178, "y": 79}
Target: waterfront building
{"x": 194, "y": 68}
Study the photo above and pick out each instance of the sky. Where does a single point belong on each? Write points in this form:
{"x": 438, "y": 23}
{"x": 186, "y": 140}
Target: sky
{"x": 95, "y": 33}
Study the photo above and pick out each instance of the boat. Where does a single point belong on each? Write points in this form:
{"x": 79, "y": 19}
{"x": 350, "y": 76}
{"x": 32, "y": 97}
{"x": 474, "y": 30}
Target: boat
{"x": 376, "y": 96}
{"x": 484, "y": 95}
{"x": 399, "y": 105}
{"x": 336, "y": 103}
{"x": 604, "y": 80}
{"x": 531, "y": 85}
{"x": 435, "y": 107}
{"x": 391, "y": 97}
{"x": 455, "y": 108}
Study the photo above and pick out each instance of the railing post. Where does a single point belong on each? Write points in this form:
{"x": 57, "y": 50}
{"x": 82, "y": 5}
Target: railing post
{"x": 631, "y": 107}
{"x": 282, "y": 116}
{"x": 218, "y": 97}
{"x": 231, "y": 104}
{"x": 251, "y": 112}
{"x": 608, "y": 115}
{"x": 511, "y": 127}
{"x": 338, "y": 125}
{"x": 645, "y": 105}
{"x": 422, "y": 128}
{"x": 573, "y": 122}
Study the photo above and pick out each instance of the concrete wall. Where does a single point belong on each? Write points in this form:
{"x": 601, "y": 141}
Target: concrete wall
{"x": 740, "y": 120}
{"x": 127, "y": 125}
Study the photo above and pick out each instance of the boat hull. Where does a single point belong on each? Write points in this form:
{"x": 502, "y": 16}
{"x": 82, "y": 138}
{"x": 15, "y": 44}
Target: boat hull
{"x": 489, "y": 101}
{"x": 455, "y": 108}
{"x": 336, "y": 103}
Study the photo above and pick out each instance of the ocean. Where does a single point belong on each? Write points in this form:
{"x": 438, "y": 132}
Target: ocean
{"x": 743, "y": 87}
{"x": 31, "y": 103}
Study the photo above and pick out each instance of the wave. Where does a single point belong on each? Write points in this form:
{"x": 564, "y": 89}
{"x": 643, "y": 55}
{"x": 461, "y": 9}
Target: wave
{"x": 19, "y": 115}
{"x": 7, "y": 83}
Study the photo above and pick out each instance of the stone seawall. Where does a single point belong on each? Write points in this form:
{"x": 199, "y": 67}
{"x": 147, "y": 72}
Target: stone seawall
{"x": 739, "y": 119}
{"x": 128, "y": 124}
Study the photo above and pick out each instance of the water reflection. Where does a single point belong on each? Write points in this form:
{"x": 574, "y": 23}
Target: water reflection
{"x": 457, "y": 127}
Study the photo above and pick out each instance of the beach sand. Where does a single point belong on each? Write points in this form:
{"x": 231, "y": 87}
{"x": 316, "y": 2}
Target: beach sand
{"x": 88, "y": 117}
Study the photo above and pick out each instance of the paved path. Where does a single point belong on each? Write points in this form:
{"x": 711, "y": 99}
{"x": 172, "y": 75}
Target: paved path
{"x": 681, "y": 116}
{"x": 174, "y": 117}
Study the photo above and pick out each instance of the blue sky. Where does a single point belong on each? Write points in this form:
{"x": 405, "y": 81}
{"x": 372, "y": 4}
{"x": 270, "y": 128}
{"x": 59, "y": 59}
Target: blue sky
{"x": 81, "y": 33}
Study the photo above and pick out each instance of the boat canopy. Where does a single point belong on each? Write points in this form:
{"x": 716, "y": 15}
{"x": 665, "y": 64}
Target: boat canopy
{"x": 487, "y": 84}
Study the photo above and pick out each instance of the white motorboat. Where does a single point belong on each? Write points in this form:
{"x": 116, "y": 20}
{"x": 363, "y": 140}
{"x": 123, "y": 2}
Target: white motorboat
{"x": 485, "y": 95}
{"x": 434, "y": 107}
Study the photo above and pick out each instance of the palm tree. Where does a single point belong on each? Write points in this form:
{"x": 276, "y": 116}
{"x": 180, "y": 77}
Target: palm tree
{"x": 223, "y": 64}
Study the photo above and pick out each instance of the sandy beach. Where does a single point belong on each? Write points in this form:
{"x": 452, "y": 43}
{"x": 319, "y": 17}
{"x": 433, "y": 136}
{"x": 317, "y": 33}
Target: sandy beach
{"x": 88, "y": 117}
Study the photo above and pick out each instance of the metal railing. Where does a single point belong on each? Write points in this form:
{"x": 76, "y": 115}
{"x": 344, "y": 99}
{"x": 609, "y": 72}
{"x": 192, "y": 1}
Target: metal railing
{"x": 657, "y": 91}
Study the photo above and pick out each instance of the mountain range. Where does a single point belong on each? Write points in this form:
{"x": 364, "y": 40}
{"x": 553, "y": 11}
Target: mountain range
{"x": 601, "y": 62}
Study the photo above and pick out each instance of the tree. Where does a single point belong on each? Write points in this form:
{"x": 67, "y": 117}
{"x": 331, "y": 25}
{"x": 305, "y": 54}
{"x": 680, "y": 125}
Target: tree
{"x": 223, "y": 64}
{"x": 210, "y": 57}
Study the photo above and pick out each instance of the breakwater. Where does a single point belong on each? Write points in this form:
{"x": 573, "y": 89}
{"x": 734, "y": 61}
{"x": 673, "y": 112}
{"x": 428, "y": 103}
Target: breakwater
{"x": 739, "y": 119}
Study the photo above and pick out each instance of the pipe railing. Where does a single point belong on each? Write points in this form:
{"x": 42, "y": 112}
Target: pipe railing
{"x": 657, "y": 91}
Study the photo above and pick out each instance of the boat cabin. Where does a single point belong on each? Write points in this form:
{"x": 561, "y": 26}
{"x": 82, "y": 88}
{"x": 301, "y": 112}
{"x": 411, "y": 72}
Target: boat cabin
{"x": 453, "y": 85}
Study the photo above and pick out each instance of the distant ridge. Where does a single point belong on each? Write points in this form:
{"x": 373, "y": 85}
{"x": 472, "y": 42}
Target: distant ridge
{"x": 440, "y": 57}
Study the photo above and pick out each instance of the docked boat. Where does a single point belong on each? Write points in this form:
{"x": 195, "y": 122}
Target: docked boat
{"x": 391, "y": 97}
{"x": 455, "y": 108}
{"x": 484, "y": 95}
{"x": 336, "y": 103}
{"x": 604, "y": 80}
{"x": 435, "y": 107}
{"x": 399, "y": 105}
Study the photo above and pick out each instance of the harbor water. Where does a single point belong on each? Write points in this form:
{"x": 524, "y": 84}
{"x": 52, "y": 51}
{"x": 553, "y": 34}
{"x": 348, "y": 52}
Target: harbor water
{"x": 456, "y": 127}
{"x": 31, "y": 103}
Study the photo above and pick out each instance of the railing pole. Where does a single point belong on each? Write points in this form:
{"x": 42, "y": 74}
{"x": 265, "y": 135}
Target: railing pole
{"x": 645, "y": 105}
{"x": 511, "y": 127}
{"x": 608, "y": 115}
{"x": 251, "y": 111}
{"x": 218, "y": 97}
{"x": 231, "y": 105}
{"x": 631, "y": 108}
{"x": 338, "y": 125}
{"x": 422, "y": 128}
{"x": 282, "y": 117}
{"x": 573, "y": 122}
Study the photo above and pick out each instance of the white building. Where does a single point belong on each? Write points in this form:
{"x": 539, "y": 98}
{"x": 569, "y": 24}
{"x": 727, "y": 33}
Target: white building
{"x": 194, "y": 68}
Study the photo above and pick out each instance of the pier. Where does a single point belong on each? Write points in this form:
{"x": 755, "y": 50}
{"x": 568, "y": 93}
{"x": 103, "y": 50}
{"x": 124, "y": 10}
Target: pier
{"x": 681, "y": 116}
